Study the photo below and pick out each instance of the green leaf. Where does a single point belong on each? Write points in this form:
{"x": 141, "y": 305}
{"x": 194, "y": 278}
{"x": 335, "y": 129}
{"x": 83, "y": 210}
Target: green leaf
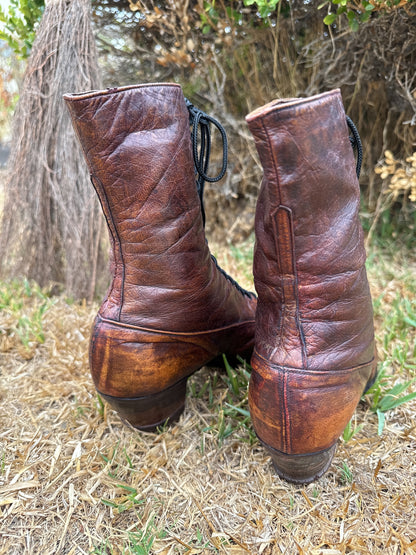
{"x": 232, "y": 376}
{"x": 354, "y": 25}
{"x": 330, "y": 18}
{"x": 265, "y": 11}
{"x": 244, "y": 412}
{"x": 410, "y": 321}
{"x": 381, "y": 420}
{"x": 400, "y": 401}
{"x": 109, "y": 503}
{"x": 128, "y": 488}
{"x": 341, "y": 10}
{"x": 19, "y": 24}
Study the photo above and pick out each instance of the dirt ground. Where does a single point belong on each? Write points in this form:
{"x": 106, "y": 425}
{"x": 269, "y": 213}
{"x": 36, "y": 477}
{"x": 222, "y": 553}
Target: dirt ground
{"x": 74, "y": 479}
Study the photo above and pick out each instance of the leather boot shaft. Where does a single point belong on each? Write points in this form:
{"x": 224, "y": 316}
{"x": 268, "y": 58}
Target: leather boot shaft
{"x": 137, "y": 145}
{"x": 309, "y": 261}
{"x": 170, "y": 309}
{"x": 314, "y": 345}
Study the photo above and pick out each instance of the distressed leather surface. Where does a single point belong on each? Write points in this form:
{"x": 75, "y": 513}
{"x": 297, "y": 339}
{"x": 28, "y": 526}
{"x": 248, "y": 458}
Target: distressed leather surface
{"x": 136, "y": 141}
{"x": 314, "y": 322}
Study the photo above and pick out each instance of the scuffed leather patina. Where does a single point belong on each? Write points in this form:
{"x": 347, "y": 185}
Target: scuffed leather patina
{"x": 169, "y": 310}
{"x": 314, "y": 347}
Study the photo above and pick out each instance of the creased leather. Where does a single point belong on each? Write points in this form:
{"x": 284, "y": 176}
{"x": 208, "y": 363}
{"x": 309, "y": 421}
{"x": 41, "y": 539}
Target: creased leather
{"x": 314, "y": 307}
{"x": 136, "y": 142}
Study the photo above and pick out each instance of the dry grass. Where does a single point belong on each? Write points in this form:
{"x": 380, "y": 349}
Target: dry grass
{"x": 52, "y": 220}
{"x": 74, "y": 479}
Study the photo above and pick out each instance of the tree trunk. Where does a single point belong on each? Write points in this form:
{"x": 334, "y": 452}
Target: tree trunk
{"x": 51, "y": 224}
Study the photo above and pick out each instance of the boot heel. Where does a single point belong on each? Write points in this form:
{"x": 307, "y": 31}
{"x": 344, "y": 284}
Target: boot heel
{"x": 301, "y": 469}
{"x": 149, "y": 412}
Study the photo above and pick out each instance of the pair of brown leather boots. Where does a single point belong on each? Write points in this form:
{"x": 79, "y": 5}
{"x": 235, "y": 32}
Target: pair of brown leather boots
{"x": 170, "y": 309}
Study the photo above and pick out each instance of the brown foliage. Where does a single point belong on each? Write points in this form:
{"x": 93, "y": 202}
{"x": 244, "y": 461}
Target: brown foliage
{"x": 241, "y": 64}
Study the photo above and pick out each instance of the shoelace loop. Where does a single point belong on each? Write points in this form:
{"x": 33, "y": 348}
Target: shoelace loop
{"x": 356, "y": 144}
{"x": 200, "y": 123}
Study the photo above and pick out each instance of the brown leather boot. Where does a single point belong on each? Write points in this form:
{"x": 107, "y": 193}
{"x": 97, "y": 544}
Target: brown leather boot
{"x": 314, "y": 346}
{"x": 170, "y": 309}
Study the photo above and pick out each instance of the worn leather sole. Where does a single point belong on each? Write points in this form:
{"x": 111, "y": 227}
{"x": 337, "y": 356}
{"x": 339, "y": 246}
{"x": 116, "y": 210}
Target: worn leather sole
{"x": 142, "y": 373}
{"x": 308, "y": 467}
{"x": 151, "y": 412}
{"x": 299, "y": 414}
{"x": 301, "y": 469}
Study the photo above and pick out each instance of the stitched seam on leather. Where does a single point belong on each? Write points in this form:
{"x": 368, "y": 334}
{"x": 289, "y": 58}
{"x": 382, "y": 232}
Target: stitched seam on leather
{"x": 115, "y": 90}
{"x": 177, "y": 333}
{"x": 123, "y": 267}
{"x": 281, "y": 258}
{"x": 110, "y": 218}
{"x": 281, "y": 395}
{"x": 285, "y": 230}
{"x": 308, "y": 371}
{"x": 287, "y": 427}
{"x": 282, "y": 319}
{"x": 90, "y": 166}
{"x": 280, "y": 269}
{"x": 108, "y": 226}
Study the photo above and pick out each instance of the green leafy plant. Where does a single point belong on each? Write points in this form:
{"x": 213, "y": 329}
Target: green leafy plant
{"x": 232, "y": 407}
{"x": 140, "y": 541}
{"x": 27, "y": 303}
{"x": 343, "y": 7}
{"x": 347, "y": 476}
{"x": 264, "y": 7}
{"x": 206, "y": 389}
{"x": 358, "y": 13}
{"x": 100, "y": 406}
{"x": 30, "y": 329}
{"x": 210, "y": 16}
{"x": 234, "y": 414}
{"x": 18, "y": 24}
{"x": 111, "y": 461}
{"x": 315, "y": 492}
{"x": 399, "y": 326}
{"x": 385, "y": 398}
{"x": 125, "y": 502}
{"x": 350, "y": 431}
{"x": 243, "y": 256}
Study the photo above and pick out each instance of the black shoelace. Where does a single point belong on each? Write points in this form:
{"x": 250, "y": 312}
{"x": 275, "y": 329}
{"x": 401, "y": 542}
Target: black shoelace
{"x": 200, "y": 124}
{"x": 356, "y": 144}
